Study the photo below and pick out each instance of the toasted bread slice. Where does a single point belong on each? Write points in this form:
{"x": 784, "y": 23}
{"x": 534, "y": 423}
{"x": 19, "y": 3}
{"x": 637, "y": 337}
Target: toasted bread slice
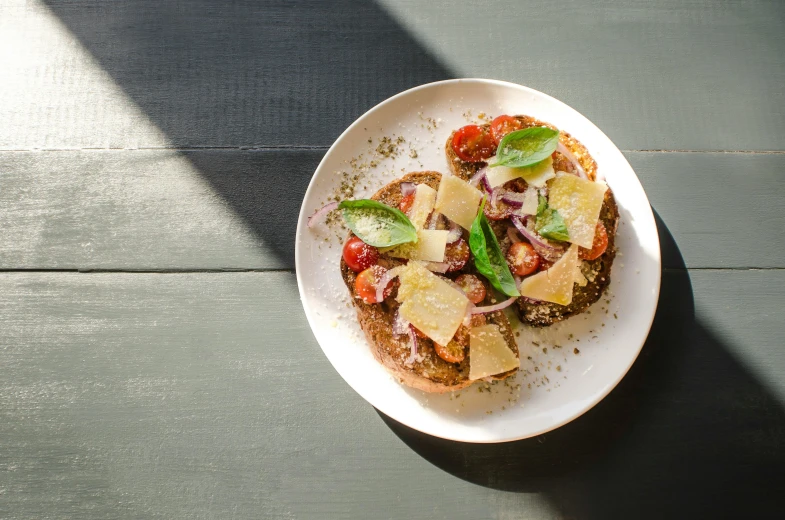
{"x": 598, "y": 271}
{"x": 430, "y": 373}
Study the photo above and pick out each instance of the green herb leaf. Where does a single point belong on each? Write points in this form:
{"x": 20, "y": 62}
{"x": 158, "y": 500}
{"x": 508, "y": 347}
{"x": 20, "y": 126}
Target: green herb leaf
{"x": 550, "y": 223}
{"x": 525, "y": 147}
{"x": 377, "y": 224}
{"x": 488, "y": 257}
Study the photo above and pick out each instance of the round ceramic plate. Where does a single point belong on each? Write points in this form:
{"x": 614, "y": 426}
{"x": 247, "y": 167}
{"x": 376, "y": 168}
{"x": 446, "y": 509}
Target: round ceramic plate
{"x": 566, "y": 368}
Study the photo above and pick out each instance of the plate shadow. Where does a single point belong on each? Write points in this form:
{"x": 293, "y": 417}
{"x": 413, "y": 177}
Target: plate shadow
{"x": 687, "y": 432}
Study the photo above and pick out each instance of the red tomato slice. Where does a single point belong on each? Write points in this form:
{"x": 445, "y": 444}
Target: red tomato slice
{"x": 406, "y": 203}
{"x": 472, "y": 286}
{"x": 358, "y": 255}
{"x": 522, "y": 258}
{"x": 451, "y": 353}
{"x": 366, "y": 282}
{"x": 472, "y": 144}
{"x": 502, "y": 126}
{"x": 456, "y": 255}
{"x": 599, "y": 245}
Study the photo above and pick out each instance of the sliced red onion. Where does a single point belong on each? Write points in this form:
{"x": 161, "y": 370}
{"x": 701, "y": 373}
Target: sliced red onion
{"x": 455, "y": 233}
{"x": 408, "y": 188}
{"x": 437, "y": 267}
{"x": 518, "y": 281}
{"x": 513, "y": 235}
{"x": 514, "y": 199}
{"x": 496, "y": 194}
{"x": 531, "y": 237}
{"x": 413, "y": 340}
{"x": 475, "y": 180}
{"x": 486, "y": 184}
{"x": 386, "y": 278}
{"x": 319, "y": 214}
{"x": 562, "y": 149}
{"x": 399, "y": 325}
{"x": 493, "y": 308}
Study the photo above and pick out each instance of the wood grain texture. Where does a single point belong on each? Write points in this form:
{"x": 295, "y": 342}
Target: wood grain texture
{"x": 665, "y": 74}
{"x": 193, "y": 396}
{"x": 653, "y": 75}
{"x": 151, "y": 209}
{"x": 205, "y": 395}
{"x": 216, "y": 209}
{"x": 688, "y": 433}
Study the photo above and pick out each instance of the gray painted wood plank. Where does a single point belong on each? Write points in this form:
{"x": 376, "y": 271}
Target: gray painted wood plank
{"x": 724, "y": 210}
{"x": 237, "y": 209}
{"x": 205, "y": 395}
{"x": 663, "y": 74}
{"x": 151, "y": 209}
{"x": 653, "y": 75}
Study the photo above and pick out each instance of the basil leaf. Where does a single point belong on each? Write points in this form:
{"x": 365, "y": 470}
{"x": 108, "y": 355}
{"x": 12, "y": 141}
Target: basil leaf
{"x": 525, "y": 147}
{"x": 549, "y": 222}
{"x": 542, "y": 204}
{"x": 377, "y": 224}
{"x": 488, "y": 257}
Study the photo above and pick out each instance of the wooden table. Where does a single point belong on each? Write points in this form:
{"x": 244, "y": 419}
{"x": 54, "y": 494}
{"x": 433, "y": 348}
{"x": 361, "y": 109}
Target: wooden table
{"x": 155, "y": 361}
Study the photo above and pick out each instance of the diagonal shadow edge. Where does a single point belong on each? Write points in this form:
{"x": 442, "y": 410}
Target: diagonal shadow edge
{"x": 664, "y": 436}
{"x": 675, "y": 472}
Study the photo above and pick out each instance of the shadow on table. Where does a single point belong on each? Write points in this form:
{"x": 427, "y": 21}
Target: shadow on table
{"x": 282, "y": 78}
{"x": 687, "y": 433}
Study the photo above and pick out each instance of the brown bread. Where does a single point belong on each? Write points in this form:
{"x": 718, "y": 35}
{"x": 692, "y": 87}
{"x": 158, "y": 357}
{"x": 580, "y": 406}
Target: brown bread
{"x": 544, "y": 313}
{"x": 431, "y": 374}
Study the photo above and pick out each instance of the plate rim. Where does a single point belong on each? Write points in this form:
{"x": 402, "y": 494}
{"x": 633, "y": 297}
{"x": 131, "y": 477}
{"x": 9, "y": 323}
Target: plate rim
{"x": 303, "y": 216}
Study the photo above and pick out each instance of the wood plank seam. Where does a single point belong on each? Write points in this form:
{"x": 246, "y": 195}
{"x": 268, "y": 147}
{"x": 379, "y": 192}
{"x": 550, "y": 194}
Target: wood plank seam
{"x": 230, "y": 270}
{"x": 275, "y": 148}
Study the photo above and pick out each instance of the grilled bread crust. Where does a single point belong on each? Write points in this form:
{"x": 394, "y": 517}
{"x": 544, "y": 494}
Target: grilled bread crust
{"x": 430, "y": 373}
{"x": 542, "y": 314}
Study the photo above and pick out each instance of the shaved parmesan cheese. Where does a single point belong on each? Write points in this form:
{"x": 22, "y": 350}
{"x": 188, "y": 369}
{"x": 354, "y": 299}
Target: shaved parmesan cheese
{"x": 458, "y": 200}
{"x": 429, "y": 303}
{"x": 498, "y": 175}
{"x": 488, "y": 353}
{"x": 429, "y": 247}
{"x": 422, "y": 206}
{"x": 530, "y": 202}
{"x": 554, "y": 285}
{"x": 579, "y": 202}
{"x": 535, "y": 175}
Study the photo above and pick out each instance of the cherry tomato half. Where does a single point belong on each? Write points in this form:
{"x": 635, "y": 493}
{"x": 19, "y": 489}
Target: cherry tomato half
{"x": 406, "y": 203}
{"x": 502, "y": 126}
{"x": 358, "y": 255}
{"x": 599, "y": 245}
{"x": 522, "y": 258}
{"x": 456, "y": 255}
{"x": 451, "y": 353}
{"x": 366, "y": 282}
{"x": 472, "y": 286}
{"x": 473, "y": 144}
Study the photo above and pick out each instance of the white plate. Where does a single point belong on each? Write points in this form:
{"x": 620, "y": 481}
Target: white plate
{"x": 564, "y": 384}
